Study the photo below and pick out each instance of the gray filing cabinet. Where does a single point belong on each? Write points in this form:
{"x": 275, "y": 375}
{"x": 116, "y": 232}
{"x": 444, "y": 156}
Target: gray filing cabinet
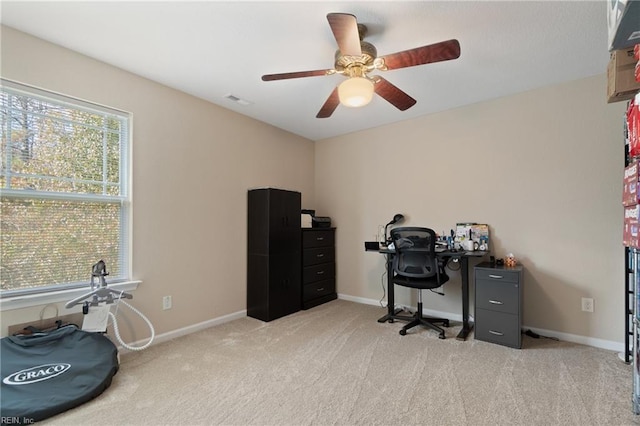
{"x": 498, "y": 304}
{"x": 318, "y": 266}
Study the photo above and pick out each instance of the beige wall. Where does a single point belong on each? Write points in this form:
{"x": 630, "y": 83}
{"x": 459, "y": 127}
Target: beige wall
{"x": 542, "y": 168}
{"x": 192, "y": 165}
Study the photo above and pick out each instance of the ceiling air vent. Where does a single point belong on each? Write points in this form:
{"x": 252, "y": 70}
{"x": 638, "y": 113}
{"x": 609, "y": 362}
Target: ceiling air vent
{"x": 238, "y": 100}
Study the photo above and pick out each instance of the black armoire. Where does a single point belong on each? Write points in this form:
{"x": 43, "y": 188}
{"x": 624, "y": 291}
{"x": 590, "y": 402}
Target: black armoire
{"x": 274, "y": 259}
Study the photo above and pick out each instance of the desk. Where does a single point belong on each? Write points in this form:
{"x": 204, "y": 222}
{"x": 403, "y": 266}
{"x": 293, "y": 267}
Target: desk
{"x": 464, "y": 256}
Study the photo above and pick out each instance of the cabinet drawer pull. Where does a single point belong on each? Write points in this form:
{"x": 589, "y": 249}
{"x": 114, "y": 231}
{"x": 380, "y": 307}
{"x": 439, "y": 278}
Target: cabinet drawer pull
{"x": 319, "y": 238}
{"x": 498, "y": 277}
{"x": 495, "y": 302}
{"x": 496, "y": 333}
{"x": 320, "y": 272}
{"x": 320, "y": 255}
{"x": 320, "y": 289}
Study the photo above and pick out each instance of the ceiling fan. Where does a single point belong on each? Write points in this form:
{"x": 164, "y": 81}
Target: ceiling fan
{"x": 356, "y": 58}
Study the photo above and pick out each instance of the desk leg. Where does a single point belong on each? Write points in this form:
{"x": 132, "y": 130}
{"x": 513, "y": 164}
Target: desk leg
{"x": 391, "y": 311}
{"x": 464, "y": 275}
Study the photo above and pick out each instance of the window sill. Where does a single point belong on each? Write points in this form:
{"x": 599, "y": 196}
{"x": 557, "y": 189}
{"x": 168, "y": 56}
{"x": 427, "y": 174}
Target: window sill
{"x": 26, "y": 301}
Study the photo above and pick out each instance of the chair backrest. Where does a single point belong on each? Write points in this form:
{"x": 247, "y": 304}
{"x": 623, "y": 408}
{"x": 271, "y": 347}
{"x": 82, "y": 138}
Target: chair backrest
{"x": 415, "y": 255}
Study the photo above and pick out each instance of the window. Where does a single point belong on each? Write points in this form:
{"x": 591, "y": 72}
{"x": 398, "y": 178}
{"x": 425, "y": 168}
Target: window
{"x": 64, "y": 191}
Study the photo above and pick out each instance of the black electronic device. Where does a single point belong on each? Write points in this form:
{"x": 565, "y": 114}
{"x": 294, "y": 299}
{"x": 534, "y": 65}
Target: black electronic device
{"x": 371, "y": 245}
{"x": 321, "y": 222}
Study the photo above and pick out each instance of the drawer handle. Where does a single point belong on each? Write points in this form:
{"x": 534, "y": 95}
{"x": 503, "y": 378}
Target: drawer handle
{"x": 496, "y": 333}
{"x": 496, "y": 302}
{"x": 320, "y": 255}
{"x": 320, "y": 238}
{"x": 320, "y": 289}
{"x": 320, "y": 272}
{"x": 498, "y": 277}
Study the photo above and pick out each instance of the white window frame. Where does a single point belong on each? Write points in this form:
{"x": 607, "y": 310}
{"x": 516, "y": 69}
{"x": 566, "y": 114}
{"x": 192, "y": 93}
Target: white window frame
{"x": 17, "y": 299}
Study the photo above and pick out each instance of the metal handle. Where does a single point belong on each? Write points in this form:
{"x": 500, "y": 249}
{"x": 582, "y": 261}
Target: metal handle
{"x": 496, "y": 302}
{"x": 320, "y": 272}
{"x": 320, "y": 289}
{"x": 498, "y": 277}
{"x": 319, "y": 238}
{"x": 319, "y": 255}
{"x": 496, "y": 333}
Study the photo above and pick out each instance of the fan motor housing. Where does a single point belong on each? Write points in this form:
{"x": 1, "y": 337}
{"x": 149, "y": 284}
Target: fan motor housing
{"x": 369, "y": 53}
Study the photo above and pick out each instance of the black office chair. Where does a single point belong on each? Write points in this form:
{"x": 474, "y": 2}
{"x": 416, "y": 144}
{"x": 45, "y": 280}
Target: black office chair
{"x": 416, "y": 265}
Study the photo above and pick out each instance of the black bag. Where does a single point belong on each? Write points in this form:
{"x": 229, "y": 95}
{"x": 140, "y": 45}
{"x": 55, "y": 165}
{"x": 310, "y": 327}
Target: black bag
{"x": 44, "y": 374}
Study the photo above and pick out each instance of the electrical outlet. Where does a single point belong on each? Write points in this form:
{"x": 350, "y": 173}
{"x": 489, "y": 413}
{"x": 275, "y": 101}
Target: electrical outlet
{"x": 587, "y": 304}
{"x": 166, "y": 302}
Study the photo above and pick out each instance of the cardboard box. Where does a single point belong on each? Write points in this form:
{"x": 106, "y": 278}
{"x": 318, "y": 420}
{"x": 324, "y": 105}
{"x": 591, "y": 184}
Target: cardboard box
{"x": 631, "y": 225}
{"x": 623, "y": 22}
{"x": 621, "y": 80}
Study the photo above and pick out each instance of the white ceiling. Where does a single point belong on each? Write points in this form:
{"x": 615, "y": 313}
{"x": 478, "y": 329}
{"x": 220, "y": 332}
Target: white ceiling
{"x": 211, "y": 49}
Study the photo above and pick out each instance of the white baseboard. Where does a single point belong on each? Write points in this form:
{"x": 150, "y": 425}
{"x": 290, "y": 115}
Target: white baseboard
{"x": 583, "y": 340}
{"x": 567, "y": 337}
{"x": 170, "y": 335}
{"x": 361, "y": 300}
{"x": 428, "y": 312}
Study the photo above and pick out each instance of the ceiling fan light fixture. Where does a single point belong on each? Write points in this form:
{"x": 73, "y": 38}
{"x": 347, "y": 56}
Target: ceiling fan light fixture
{"x": 355, "y": 92}
{"x": 355, "y": 58}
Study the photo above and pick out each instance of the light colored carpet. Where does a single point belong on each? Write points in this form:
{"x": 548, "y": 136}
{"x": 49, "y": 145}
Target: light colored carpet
{"x": 336, "y": 365}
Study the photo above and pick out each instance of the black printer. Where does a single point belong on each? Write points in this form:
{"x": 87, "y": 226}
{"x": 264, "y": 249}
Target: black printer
{"x": 320, "y": 222}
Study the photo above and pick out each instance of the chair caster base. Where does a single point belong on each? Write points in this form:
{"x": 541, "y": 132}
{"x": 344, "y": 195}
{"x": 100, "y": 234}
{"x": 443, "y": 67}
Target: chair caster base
{"x": 403, "y": 332}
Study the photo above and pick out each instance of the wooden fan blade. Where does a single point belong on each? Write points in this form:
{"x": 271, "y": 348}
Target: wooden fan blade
{"x": 286, "y": 75}
{"x": 392, "y": 94}
{"x": 330, "y": 105}
{"x": 437, "y": 52}
{"x": 345, "y": 30}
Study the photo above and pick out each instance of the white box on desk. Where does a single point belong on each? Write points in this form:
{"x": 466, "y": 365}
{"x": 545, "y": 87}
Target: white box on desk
{"x": 305, "y": 220}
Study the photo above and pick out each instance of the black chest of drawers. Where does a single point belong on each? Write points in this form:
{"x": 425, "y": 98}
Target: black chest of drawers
{"x": 498, "y": 304}
{"x": 318, "y": 266}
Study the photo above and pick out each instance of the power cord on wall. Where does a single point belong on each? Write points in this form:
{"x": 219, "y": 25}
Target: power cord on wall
{"x": 538, "y": 336}
{"x": 384, "y": 288}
